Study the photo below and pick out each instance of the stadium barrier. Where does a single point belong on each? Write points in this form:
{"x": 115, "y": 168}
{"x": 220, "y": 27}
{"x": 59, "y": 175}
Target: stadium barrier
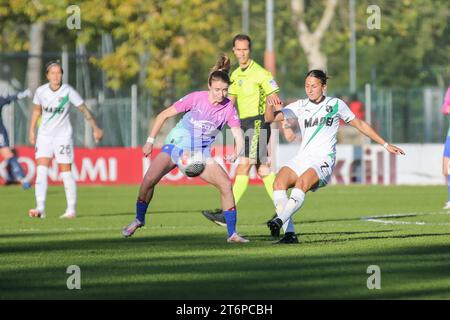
{"x": 369, "y": 164}
{"x": 372, "y": 164}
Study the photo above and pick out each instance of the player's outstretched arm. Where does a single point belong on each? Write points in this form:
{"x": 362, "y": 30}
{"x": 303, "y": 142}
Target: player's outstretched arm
{"x": 367, "y": 130}
{"x": 271, "y": 115}
{"x": 157, "y": 125}
{"x": 98, "y": 133}
{"x": 8, "y": 99}
{"x": 24, "y": 94}
{"x": 239, "y": 144}
{"x": 285, "y": 129}
{"x": 274, "y": 99}
{"x": 37, "y": 110}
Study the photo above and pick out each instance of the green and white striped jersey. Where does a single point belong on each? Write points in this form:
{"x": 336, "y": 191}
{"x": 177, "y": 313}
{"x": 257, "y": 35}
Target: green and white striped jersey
{"x": 318, "y": 123}
{"x": 55, "y": 109}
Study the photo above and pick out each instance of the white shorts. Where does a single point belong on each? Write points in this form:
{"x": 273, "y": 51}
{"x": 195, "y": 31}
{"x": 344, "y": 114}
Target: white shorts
{"x": 323, "y": 166}
{"x": 62, "y": 148}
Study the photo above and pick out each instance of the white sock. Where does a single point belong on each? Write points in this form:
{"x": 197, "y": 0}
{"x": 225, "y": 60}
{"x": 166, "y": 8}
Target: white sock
{"x": 71, "y": 190}
{"x": 41, "y": 186}
{"x": 294, "y": 203}
{"x": 280, "y": 200}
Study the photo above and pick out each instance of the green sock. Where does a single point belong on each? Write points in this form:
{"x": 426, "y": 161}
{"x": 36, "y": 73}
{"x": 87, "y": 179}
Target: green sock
{"x": 239, "y": 187}
{"x": 268, "y": 183}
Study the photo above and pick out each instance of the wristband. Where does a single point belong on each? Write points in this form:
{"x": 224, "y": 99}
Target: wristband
{"x": 385, "y": 145}
{"x": 150, "y": 140}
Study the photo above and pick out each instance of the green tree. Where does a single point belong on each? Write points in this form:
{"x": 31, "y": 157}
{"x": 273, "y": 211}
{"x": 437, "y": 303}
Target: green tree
{"x": 180, "y": 38}
{"x": 411, "y": 47}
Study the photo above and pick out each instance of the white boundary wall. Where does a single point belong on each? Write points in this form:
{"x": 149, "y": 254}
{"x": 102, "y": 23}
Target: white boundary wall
{"x": 372, "y": 164}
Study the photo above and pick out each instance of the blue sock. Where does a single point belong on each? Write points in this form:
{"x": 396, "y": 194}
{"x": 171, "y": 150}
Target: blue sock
{"x": 9, "y": 175}
{"x": 16, "y": 169}
{"x": 230, "y": 219}
{"x": 448, "y": 186}
{"x": 141, "y": 210}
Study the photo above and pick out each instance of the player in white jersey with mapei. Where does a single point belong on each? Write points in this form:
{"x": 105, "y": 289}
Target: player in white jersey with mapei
{"x": 54, "y": 137}
{"x": 318, "y": 118}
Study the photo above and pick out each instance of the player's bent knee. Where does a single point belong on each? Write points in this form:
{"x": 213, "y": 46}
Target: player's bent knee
{"x": 263, "y": 171}
{"x": 279, "y": 184}
{"x": 227, "y": 187}
{"x": 150, "y": 182}
{"x": 64, "y": 167}
{"x": 243, "y": 168}
{"x": 43, "y": 162}
{"x": 303, "y": 185}
{"x": 242, "y": 172}
{"x": 6, "y": 153}
{"x": 224, "y": 187}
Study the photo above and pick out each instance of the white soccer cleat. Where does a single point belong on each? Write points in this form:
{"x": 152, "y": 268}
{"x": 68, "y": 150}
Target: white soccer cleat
{"x": 35, "y": 213}
{"x": 236, "y": 238}
{"x": 68, "y": 215}
{"x": 129, "y": 230}
{"x": 447, "y": 206}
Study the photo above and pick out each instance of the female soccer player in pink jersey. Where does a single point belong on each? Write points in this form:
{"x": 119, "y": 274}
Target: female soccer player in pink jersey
{"x": 446, "y": 157}
{"x": 205, "y": 115}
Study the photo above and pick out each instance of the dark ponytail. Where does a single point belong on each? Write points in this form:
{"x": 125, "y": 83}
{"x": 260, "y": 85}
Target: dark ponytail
{"x": 51, "y": 64}
{"x": 319, "y": 74}
{"x": 220, "y": 71}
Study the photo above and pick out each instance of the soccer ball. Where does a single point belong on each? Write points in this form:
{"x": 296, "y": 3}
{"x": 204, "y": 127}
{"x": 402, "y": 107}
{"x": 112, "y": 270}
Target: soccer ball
{"x": 191, "y": 164}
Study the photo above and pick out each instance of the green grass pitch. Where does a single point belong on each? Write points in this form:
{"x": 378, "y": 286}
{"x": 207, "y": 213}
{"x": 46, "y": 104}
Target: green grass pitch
{"x": 181, "y": 255}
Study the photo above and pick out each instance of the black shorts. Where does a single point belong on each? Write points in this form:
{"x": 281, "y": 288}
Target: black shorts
{"x": 4, "y": 141}
{"x": 256, "y": 135}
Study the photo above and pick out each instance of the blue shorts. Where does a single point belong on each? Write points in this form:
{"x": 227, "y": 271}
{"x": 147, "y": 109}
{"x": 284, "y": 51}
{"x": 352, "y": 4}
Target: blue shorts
{"x": 175, "y": 152}
{"x": 447, "y": 148}
{"x": 4, "y": 140}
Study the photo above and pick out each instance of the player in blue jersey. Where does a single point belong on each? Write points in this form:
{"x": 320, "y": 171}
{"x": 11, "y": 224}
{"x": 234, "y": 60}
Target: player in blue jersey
{"x": 7, "y": 154}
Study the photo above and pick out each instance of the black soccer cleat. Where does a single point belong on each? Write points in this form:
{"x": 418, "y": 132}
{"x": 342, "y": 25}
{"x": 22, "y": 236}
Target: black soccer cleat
{"x": 215, "y": 216}
{"x": 289, "y": 238}
{"x": 275, "y": 226}
{"x": 274, "y": 235}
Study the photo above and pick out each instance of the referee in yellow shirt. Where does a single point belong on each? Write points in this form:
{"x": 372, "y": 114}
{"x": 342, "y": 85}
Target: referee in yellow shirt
{"x": 252, "y": 87}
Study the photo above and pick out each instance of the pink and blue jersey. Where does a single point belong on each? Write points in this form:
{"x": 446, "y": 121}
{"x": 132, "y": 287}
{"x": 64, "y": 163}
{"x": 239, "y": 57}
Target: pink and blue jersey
{"x": 202, "y": 121}
{"x": 446, "y": 105}
{"x": 445, "y": 108}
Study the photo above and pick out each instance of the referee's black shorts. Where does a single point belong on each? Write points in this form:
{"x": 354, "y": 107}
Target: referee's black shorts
{"x": 256, "y": 135}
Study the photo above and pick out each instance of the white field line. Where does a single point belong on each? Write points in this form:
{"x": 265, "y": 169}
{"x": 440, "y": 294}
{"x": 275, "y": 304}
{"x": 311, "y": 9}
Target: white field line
{"x": 381, "y": 218}
{"x": 376, "y": 218}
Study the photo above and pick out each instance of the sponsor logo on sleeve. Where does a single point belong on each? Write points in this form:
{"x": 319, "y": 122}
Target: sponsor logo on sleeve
{"x": 274, "y": 84}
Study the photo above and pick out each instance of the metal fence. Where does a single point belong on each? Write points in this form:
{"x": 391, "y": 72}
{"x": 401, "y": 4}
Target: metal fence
{"x": 408, "y": 115}
{"x": 399, "y": 115}
{"x": 125, "y": 121}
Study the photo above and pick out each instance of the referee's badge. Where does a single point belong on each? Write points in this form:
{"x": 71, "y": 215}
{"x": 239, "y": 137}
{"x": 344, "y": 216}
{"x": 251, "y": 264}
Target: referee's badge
{"x": 240, "y": 82}
{"x": 274, "y": 84}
